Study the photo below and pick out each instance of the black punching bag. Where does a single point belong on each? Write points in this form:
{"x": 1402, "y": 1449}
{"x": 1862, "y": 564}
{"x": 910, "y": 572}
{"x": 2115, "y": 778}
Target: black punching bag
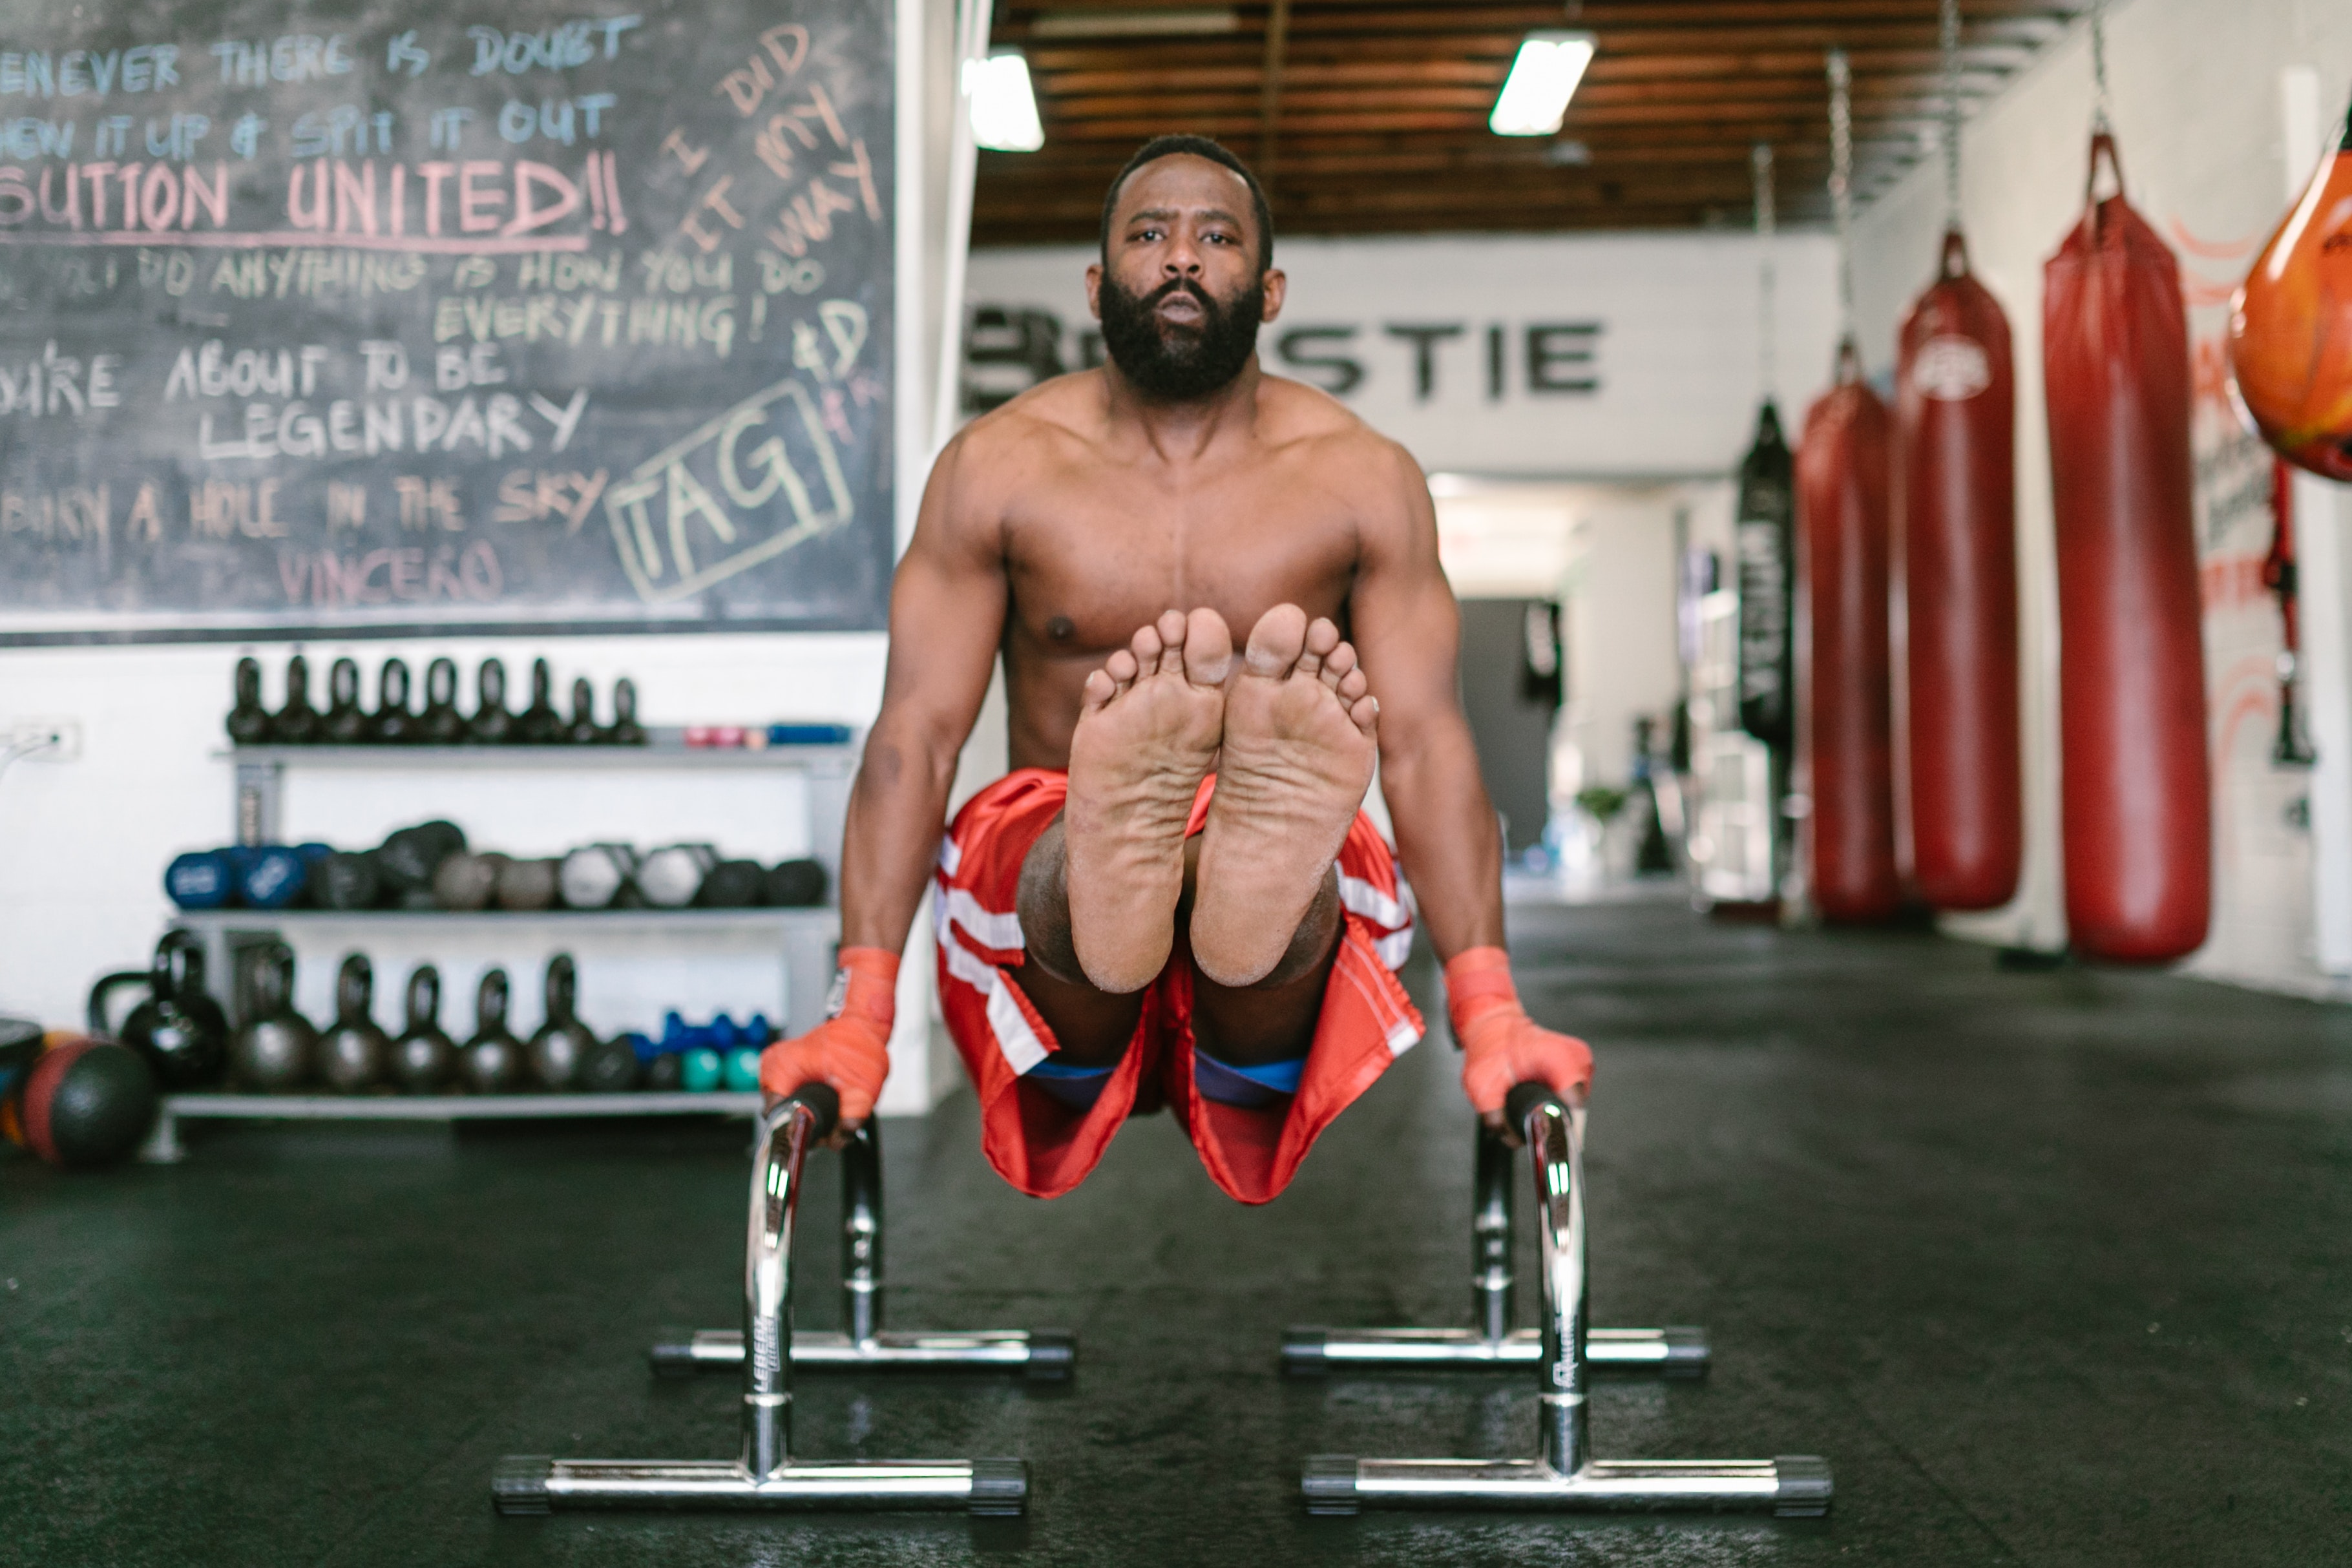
{"x": 1767, "y": 546}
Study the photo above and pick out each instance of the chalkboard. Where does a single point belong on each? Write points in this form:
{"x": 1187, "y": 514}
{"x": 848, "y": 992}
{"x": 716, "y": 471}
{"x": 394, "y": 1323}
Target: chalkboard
{"x": 374, "y": 320}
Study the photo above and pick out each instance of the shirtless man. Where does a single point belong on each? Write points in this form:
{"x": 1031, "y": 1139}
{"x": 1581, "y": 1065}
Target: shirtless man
{"x": 1217, "y": 596}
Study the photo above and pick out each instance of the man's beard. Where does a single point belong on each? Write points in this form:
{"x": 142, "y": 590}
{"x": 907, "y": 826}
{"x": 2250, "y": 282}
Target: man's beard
{"x": 1178, "y": 366}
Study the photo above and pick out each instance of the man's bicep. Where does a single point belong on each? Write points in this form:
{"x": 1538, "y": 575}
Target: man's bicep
{"x": 946, "y": 611}
{"x": 1402, "y": 618}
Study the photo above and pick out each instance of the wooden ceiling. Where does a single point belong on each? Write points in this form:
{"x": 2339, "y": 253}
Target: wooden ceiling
{"x": 1371, "y": 115}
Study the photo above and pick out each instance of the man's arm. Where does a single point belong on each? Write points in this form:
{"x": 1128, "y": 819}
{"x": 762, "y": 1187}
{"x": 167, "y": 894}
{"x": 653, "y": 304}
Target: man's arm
{"x": 947, "y": 613}
{"x": 1408, "y": 635}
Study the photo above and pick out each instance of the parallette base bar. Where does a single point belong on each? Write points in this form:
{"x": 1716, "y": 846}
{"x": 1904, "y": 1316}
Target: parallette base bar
{"x": 1041, "y": 1355}
{"x": 1792, "y": 1487}
{"x": 1670, "y": 1351}
{"x": 532, "y": 1484}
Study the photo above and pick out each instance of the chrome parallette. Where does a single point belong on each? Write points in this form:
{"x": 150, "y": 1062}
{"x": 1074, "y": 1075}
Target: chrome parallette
{"x": 1493, "y": 1344}
{"x": 1563, "y": 1475}
{"x": 764, "y": 1475}
{"x": 1039, "y": 1355}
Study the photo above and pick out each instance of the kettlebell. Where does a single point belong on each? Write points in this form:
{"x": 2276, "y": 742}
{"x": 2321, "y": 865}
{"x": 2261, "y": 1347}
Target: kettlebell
{"x": 179, "y": 1028}
{"x": 277, "y": 1049}
{"x": 248, "y": 721}
{"x": 561, "y": 1050}
{"x": 539, "y": 723}
{"x": 491, "y": 1062}
{"x": 345, "y": 723}
{"x": 297, "y": 723}
{"x": 441, "y": 723}
{"x": 354, "y": 1056}
{"x": 491, "y": 723}
{"x": 583, "y": 731}
{"x": 410, "y": 856}
{"x": 424, "y": 1057}
{"x": 609, "y": 1068}
{"x": 626, "y": 730}
{"x": 395, "y": 725}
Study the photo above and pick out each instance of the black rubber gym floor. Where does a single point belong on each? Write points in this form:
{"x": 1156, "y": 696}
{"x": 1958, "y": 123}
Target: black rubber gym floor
{"x": 2052, "y": 1268}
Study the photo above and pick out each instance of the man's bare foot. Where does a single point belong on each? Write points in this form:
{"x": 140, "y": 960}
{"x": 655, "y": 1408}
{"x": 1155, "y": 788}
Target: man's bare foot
{"x": 1297, "y": 758}
{"x": 1147, "y": 736}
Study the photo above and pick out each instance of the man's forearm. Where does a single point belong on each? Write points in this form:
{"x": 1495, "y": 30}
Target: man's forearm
{"x": 891, "y": 838}
{"x": 1446, "y": 836}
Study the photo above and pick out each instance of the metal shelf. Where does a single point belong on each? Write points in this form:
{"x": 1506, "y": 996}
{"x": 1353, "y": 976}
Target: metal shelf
{"x": 822, "y": 918}
{"x": 807, "y": 759}
{"x": 163, "y": 1147}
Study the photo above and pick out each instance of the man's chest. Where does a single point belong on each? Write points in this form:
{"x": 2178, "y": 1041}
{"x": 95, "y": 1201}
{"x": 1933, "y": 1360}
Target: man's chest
{"x": 1092, "y": 558}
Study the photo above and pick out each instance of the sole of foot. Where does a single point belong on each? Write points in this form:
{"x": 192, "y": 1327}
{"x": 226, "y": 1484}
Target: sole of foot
{"x": 1148, "y": 732}
{"x": 1300, "y": 745}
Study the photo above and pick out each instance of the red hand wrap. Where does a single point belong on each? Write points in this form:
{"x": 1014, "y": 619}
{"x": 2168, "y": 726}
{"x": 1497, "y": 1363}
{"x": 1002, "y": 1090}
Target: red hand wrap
{"x": 1501, "y": 1046}
{"x": 850, "y": 1049}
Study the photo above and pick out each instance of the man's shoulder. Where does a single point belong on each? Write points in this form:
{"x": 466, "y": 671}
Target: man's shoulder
{"x": 1325, "y": 431}
{"x": 1063, "y": 409}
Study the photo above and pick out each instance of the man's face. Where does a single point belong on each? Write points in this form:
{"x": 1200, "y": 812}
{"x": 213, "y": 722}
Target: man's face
{"x": 1182, "y": 296}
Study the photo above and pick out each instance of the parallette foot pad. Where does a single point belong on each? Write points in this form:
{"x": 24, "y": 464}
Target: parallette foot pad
{"x": 1000, "y": 1487}
{"x": 520, "y": 1483}
{"x": 1329, "y": 1484}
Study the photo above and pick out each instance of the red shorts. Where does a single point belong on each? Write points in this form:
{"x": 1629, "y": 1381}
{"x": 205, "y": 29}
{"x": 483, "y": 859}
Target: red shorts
{"x": 1046, "y": 1146}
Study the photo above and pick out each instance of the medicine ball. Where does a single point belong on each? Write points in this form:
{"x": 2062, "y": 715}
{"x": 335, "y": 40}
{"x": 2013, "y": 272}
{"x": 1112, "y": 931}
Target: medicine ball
{"x": 796, "y": 884}
{"x": 88, "y": 1104}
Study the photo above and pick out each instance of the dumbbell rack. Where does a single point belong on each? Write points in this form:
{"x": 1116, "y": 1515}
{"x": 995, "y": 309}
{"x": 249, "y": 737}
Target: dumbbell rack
{"x": 804, "y": 938}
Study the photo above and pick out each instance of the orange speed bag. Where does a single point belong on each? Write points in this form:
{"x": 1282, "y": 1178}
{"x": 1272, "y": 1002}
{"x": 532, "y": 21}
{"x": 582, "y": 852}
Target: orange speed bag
{"x": 2291, "y": 330}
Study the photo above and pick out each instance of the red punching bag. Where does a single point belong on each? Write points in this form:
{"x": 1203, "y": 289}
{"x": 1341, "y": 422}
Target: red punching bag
{"x": 2291, "y": 332}
{"x": 2131, "y": 670}
{"x": 1842, "y": 539}
{"x": 1955, "y": 503}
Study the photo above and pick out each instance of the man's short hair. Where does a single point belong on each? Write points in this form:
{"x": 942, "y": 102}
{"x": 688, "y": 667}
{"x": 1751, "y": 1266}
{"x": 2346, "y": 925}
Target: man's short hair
{"x": 1160, "y": 147}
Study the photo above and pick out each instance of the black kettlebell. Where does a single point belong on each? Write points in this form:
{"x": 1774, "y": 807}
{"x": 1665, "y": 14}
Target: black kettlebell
{"x": 563, "y": 1044}
{"x": 441, "y": 723}
{"x": 491, "y": 723}
{"x": 539, "y": 723}
{"x": 609, "y": 1068}
{"x": 276, "y": 1050}
{"x": 394, "y": 723}
{"x": 297, "y": 723}
{"x": 491, "y": 1062}
{"x": 626, "y": 730}
{"x": 424, "y": 1057}
{"x": 583, "y": 731}
{"x": 248, "y": 721}
{"x": 354, "y": 1057}
{"x": 345, "y": 723}
{"x": 179, "y": 1028}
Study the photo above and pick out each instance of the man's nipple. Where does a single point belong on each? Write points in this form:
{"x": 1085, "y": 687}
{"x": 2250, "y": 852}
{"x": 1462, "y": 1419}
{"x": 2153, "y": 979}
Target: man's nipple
{"x": 1061, "y": 628}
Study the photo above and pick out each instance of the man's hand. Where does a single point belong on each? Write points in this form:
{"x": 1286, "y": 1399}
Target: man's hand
{"x": 1501, "y": 1046}
{"x": 850, "y": 1049}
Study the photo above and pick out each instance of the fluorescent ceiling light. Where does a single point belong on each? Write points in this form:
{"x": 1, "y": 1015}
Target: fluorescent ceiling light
{"x": 1543, "y": 79}
{"x": 1003, "y": 108}
{"x": 1172, "y": 24}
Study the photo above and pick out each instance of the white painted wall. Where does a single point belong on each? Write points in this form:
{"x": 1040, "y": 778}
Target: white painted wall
{"x": 2196, "y": 87}
{"x": 1674, "y": 356}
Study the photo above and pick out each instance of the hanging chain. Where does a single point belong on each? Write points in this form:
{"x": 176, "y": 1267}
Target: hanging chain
{"x": 2099, "y": 65}
{"x": 1761, "y": 159}
{"x": 1951, "y": 42}
{"x": 1842, "y": 178}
